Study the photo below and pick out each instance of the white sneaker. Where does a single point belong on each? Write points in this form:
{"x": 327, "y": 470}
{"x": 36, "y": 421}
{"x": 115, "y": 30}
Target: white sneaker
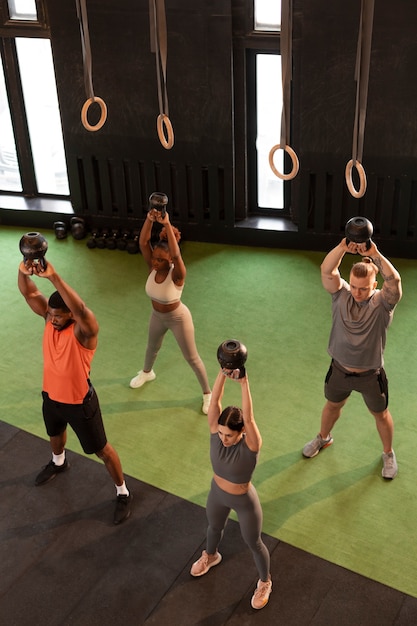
{"x": 390, "y": 469}
{"x": 206, "y": 402}
{"x": 142, "y": 378}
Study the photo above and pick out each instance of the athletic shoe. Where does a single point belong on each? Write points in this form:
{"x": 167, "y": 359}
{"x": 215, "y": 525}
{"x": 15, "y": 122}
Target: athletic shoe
{"x": 204, "y": 563}
{"x": 313, "y": 447}
{"x": 206, "y": 402}
{"x": 261, "y": 596}
{"x": 142, "y": 378}
{"x": 123, "y": 508}
{"x": 390, "y": 469}
{"x": 50, "y": 471}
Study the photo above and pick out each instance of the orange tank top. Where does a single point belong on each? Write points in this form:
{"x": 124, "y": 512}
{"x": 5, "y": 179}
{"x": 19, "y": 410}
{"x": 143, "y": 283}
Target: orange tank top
{"x": 66, "y": 365}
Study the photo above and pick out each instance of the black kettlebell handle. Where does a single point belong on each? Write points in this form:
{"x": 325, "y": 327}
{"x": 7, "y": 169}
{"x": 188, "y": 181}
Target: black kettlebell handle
{"x": 368, "y": 243}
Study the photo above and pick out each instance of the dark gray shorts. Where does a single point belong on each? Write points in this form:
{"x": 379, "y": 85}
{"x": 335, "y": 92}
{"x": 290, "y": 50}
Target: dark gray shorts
{"x": 372, "y": 384}
{"x": 85, "y": 419}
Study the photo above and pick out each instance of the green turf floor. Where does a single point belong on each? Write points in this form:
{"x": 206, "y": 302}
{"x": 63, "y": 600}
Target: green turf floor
{"x": 337, "y": 505}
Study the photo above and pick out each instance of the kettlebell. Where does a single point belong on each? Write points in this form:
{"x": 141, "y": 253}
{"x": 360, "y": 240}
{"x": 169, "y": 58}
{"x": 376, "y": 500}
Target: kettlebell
{"x": 92, "y": 241}
{"x": 111, "y": 241}
{"x": 78, "y": 230}
{"x": 122, "y": 241}
{"x": 33, "y": 246}
{"x": 60, "y": 230}
{"x": 102, "y": 238}
{"x": 359, "y": 230}
{"x": 132, "y": 245}
{"x": 232, "y": 355}
{"x": 158, "y": 201}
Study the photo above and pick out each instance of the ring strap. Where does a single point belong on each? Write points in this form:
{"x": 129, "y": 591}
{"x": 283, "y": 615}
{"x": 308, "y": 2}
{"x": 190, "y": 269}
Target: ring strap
{"x": 363, "y": 59}
{"x": 286, "y": 76}
{"x": 81, "y": 6}
{"x": 159, "y": 45}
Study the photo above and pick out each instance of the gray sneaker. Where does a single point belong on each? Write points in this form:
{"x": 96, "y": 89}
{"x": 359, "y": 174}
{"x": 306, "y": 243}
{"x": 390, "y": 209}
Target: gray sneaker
{"x": 390, "y": 469}
{"x": 313, "y": 447}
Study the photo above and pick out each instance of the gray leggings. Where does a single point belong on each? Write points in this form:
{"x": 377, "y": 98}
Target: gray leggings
{"x": 181, "y": 324}
{"x": 249, "y": 513}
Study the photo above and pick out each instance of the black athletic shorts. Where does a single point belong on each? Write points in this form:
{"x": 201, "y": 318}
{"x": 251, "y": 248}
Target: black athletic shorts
{"x": 372, "y": 384}
{"x": 85, "y": 419}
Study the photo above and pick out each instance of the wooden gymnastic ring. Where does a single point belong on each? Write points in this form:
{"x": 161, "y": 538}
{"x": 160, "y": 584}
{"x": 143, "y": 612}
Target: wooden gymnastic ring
{"x": 163, "y": 120}
{"x": 103, "y": 116}
{"x": 362, "y": 178}
{"x": 294, "y": 159}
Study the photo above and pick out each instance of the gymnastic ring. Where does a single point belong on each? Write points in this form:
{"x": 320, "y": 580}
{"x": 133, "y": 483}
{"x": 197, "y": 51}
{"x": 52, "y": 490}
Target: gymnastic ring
{"x": 294, "y": 159}
{"x": 163, "y": 120}
{"x": 103, "y": 115}
{"x": 362, "y": 178}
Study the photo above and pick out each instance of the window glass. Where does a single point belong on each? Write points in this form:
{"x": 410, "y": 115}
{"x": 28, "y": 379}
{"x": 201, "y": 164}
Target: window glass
{"x": 9, "y": 167}
{"x": 267, "y": 14}
{"x": 268, "y": 112}
{"x": 42, "y": 110}
{"x": 22, "y": 10}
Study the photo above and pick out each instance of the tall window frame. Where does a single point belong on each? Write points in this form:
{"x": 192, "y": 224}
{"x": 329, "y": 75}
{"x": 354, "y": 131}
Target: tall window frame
{"x": 11, "y": 30}
{"x": 247, "y": 43}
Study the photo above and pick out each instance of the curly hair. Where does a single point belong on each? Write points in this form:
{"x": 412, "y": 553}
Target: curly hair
{"x": 163, "y": 234}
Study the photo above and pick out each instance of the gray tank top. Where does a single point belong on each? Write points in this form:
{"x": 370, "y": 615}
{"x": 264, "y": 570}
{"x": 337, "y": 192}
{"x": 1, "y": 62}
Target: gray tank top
{"x": 358, "y": 334}
{"x": 234, "y": 463}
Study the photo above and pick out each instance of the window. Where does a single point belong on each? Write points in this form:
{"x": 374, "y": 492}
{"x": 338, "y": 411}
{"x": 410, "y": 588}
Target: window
{"x": 267, "y": 15}
{"x": 42, "y": 110}
{"x": 266, "y": 192}
{"x": 22, "y": 10}
{"x": 32, "y": 155}
{"x": 270, "y": 188}
{"x": 9, "y": 167}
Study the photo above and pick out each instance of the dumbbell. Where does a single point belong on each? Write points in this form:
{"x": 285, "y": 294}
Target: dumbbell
{"x": 33, "y": 246}
{"x": 60, "y": 229}
{"x": 132, "y": 245}
{"x": 78, "y": 230}
{"x": 232, "y": 355}
{"x": 359, "y": 230}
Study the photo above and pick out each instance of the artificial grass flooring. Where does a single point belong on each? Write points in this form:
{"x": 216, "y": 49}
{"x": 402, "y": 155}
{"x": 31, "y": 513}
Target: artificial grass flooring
{"x": 336, "y": 506}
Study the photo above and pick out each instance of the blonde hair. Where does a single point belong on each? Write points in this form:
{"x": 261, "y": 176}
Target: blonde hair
{"x": 364, "y": 268}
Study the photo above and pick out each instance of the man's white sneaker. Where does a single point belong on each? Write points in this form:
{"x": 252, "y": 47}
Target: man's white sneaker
{"x": 206, "y": 402}
{"x": 142, "y": 378}
{"x": 390, "y": 469}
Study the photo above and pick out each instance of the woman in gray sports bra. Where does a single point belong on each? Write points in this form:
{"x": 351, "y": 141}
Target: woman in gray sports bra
{"x": 235, "y": 442}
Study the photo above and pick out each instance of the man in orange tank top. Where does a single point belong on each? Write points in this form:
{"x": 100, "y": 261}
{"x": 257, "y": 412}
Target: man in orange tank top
{"x": 69, "y": 344}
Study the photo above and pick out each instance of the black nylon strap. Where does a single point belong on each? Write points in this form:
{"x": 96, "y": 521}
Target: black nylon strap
{"x": 86, "y": 47}
{"x": 286, "y": 69}
{"x": 363, "y": 59}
